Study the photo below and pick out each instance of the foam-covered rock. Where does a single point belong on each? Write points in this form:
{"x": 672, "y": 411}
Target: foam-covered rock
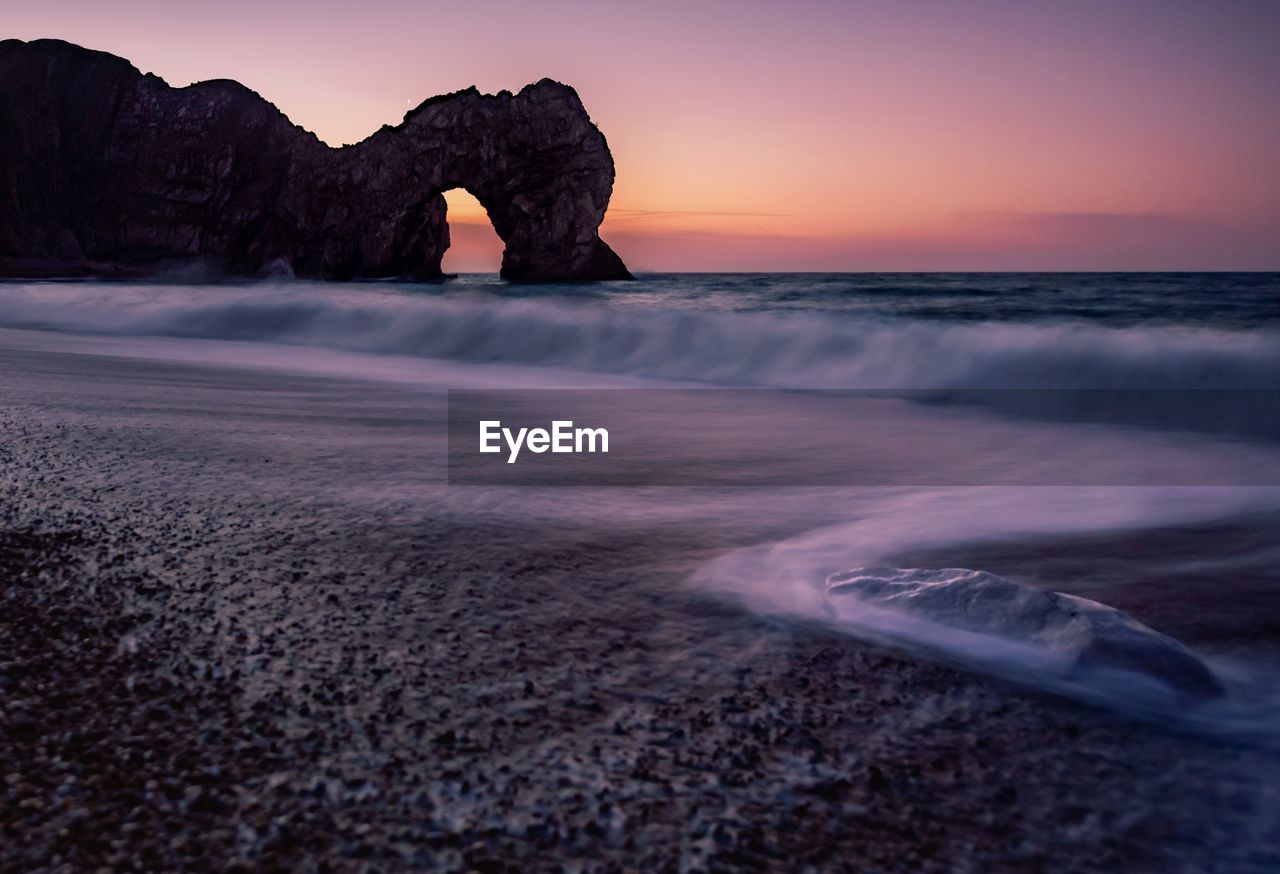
{"x": 1074, "y": 633}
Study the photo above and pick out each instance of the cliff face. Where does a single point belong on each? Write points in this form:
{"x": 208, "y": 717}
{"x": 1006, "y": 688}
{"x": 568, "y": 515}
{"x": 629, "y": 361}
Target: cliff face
{"x": 106, "y": 171}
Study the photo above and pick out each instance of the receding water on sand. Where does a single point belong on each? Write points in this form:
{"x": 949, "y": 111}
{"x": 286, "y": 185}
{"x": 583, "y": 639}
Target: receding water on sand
{"x": 789, "y": 577}
{"x": 798, "y": 536}
{"x": 274, "y": 511}
{"x": 819, "y": 332}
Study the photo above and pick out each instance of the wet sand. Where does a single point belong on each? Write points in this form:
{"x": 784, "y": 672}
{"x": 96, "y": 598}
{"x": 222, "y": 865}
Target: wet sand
{"x": 246, "y": 627}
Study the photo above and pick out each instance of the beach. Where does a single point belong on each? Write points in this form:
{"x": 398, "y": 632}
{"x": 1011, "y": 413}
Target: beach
{"x": 609, "y": 438}
{"x": 249, "y": 625}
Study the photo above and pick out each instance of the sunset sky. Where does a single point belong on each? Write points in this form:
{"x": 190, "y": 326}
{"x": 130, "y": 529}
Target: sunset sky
{"x": 806, "y": 135}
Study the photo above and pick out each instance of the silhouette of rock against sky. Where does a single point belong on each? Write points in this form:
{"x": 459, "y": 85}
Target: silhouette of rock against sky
{"x": 107, "y": 171}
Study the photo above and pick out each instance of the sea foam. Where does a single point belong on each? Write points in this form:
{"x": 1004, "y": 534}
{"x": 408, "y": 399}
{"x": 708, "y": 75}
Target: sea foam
{"x": 723, "y": 348}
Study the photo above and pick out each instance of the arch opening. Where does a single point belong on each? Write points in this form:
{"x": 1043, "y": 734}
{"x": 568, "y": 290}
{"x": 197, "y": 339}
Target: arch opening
{"x": 474, "y": 245}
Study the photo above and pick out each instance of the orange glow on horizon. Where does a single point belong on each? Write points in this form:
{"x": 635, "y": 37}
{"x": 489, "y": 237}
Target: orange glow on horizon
{"x": 828, "y": 135}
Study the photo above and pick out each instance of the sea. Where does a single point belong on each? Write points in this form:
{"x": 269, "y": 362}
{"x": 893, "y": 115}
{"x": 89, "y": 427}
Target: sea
{"x": 1115, "y": 436}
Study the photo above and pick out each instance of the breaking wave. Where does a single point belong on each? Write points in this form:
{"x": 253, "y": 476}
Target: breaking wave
{"x": 726, "y": 348}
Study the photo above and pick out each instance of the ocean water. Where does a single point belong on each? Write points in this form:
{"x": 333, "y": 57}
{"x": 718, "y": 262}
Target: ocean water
{"x": 1108, "y": 343}
{"x": 1082, "y": 331}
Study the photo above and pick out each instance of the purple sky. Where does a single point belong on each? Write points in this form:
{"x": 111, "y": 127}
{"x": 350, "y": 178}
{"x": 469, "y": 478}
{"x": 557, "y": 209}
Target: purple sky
{"x": 807, "y": 135}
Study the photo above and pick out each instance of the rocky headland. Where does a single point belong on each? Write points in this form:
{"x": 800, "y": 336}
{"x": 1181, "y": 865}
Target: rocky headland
{"x": 106, "y": 171}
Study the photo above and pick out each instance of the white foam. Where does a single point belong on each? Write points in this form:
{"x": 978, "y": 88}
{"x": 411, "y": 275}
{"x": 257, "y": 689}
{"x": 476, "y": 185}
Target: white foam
{"x": 788, "y": 577}
{"x": 1053, "y": 634}
{"x": 749, "y": 349}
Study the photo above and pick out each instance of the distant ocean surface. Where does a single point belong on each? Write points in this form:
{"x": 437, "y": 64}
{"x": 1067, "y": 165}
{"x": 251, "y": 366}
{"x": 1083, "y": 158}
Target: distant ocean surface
{"x": 830, "y": 330}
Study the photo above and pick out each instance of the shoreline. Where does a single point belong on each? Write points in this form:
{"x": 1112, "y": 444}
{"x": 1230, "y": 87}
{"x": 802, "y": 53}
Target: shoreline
{"x": 433, "y": 685}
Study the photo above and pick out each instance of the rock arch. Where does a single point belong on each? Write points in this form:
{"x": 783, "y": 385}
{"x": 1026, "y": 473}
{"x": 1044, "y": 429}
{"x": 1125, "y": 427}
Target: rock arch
{"x": 104, "y": 170}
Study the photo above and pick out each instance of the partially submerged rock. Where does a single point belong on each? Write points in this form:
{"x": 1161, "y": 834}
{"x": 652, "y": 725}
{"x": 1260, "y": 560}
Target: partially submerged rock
{"x": 106, "y": 171}
{"x": 1076, "y": 633}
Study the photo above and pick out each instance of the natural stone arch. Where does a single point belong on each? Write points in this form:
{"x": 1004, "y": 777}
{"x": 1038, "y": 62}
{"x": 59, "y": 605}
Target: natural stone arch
{"x": 105, "y": 170}
{"x": 534, "y": 160}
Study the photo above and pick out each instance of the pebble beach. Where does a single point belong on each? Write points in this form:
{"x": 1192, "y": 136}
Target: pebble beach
{"x": 216, "y": 653}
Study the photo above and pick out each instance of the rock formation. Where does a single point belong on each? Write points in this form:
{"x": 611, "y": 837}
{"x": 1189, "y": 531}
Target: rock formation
{"x": 106, "y": 171}
{"x": 1074, "y": 634}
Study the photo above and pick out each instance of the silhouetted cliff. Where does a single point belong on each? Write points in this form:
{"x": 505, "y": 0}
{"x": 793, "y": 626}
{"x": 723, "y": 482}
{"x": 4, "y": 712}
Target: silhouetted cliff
{"x": 106, "y": 171}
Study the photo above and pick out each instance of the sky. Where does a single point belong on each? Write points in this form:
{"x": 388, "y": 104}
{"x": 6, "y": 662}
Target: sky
{"x": 809, "y": 134}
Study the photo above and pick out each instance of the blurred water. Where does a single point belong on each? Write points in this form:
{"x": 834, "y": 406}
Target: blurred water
{"x": 393, "y": 349}
{"x": 1080, "y": 331}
